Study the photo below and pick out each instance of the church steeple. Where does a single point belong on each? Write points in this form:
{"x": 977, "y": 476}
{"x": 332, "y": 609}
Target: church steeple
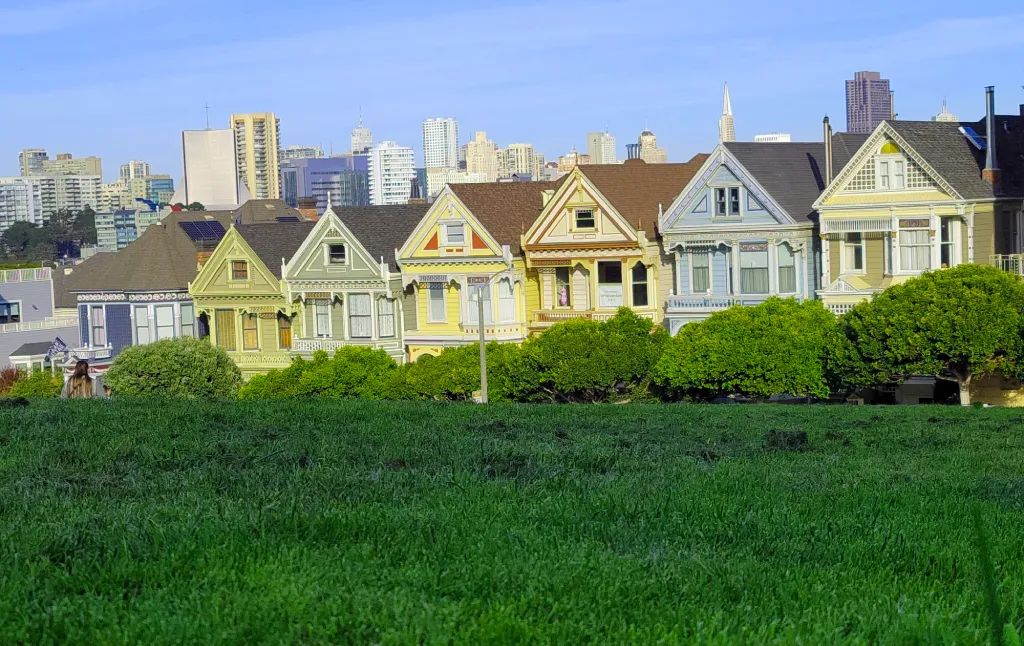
{"x": 726, "y": 125}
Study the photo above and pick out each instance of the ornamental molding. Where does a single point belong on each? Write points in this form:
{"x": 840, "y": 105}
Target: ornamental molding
{"x": 584, "y": 254}
{"x": 92, "y": 298}
{"x": 168, "y": 296}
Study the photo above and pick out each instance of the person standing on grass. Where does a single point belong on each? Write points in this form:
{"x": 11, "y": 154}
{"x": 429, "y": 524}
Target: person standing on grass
{"x": 81, "y": 385}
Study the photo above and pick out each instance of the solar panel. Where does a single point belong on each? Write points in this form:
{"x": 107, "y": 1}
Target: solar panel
{"x": 201, "y": 231}
{"x": 972, "y": 136}
{"x": 287, "y": 218}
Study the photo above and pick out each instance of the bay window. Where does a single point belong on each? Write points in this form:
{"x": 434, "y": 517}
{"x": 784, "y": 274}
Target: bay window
{"x": 360, "y": 316}
{"x": 435, "y": 303}
{"x": 787, "y": 269}
{"x": 10, "y": 312}
{"x": 142, "y": 336}
{"x": 164, "y": 315}
{"x": 609, "y": 284}
{"x": 915, "y": 248}
{"x": 754, "y": 268}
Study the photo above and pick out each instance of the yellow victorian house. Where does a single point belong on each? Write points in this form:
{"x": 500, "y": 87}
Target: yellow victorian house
{"x": 467, "y": 248}
{"x": 918, "y": 196}
{"x": 594, "y": 247}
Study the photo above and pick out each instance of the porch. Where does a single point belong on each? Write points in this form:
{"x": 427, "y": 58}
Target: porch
{"x": 306, "y": 347}
{"x": 543, "y": 319}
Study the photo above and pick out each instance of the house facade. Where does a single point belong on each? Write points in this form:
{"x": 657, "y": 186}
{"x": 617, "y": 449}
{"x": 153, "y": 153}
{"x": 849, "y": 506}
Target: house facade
{"x": 742, "y": 230}
{"x": 466, "y": 249}
{"x": 29, "y": 318}
{"x": 921, "y": 196}
{"x": 346, "y": 293}
{"x": 593, "y": 248}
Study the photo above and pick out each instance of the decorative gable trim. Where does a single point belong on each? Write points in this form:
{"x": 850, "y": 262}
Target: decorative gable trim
{"x": 231, "y": 240}
{"x": 721, "y": 157}
{"x": 422, "y": 239}
{"x": 580, "y": 185}
{"x": 840, "y": 286}
{"x": 867, "y": 152}
{"x": 329, "y": 226}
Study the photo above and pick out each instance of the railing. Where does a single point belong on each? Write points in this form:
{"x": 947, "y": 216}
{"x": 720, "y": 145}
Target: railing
{"x": 24, "y": 275}
{"x": 1013, "y": 263}
{"x": 331, "y": 345}
{"x": 93, "y": 353}
{"x": 558, "y": 316}
{"x": 45, "y": 324}
{"x": 840, "y": 308}
{"x": 701, "y": 302}
{"x": 275, "y": 358}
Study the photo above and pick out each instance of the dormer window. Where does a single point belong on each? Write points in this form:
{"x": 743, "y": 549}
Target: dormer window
{"x": 239, "y": 270}
{"x": 891, "y": 168}
{"x": 585, "y": 219}
{"x": 727, "y": 201}
{"x": 336, "y": 254}
{"x": 454, "y": 234}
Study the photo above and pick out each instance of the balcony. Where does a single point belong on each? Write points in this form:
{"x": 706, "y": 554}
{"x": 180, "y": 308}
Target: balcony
{"x": 547, "y": 318}
{"x": 24, "y": 275}
{"x": 52, "y": 323}
{"x": 1013, "y": 263}
{"x": 688, "y": 303}
{"x": 274, "y": 359}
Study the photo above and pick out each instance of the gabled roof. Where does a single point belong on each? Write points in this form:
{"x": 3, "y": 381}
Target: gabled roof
{"x": 32, "y": 349}
{"x": 793, "y": 174}
{"x": 506, "y": 209}
{"x": 844, "y": 146}
{"x": 256, "y": 211}
{"x": 275, "y": 242}
{"x": 163, "y": 258}
{"x": 959, "y": 162}
{"x": 382, "y": 229}
{"x": 636, "y": 188}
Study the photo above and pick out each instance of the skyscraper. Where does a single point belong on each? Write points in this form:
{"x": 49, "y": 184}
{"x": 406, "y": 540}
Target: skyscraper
{"x": 209, "y": 171}
{"x": 482, "y": 157}
{"x": 301, "y": 152}
{"x": 440, "y": 150}
{"x": 649, "y": 151}
{"x": 945, "y": 115}
{"x": 392, "y": 170}
{"x": 521, "y": 160}
{"x": 362, "y": 138}
{"x": 726, "y": 124}
{"x": 867, "y": 102}
{"x": 66, "y": 164}
{"x": 31, "y": 161}
{"x": 134, "y": 170}
{"x": 345, "y": 178}
{"x": 601, "y": 147}
{"x": 258, "y": 151}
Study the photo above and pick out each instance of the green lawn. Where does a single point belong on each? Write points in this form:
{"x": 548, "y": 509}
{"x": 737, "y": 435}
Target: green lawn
{"x": 401, "y": 523}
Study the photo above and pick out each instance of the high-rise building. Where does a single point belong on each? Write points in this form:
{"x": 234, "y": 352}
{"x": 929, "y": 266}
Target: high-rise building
{"x": 301, "y": 152}
{"x": 441, "y": 177}
{"x": 482, "y": 157}
{"x": 601, "y": 148}
{"x": 773, "y": 138}
{"x": 391, "y": 169}
{"x": 945, "y": 114}
{"x": 257, "y": 149}
{"x": 72, "y": 192}
{"x": 209, "y": 170}
{"x": 156, "y": 185}
{"x": 521, "y": 160}
{"x": 440, "y": 150}
{"x": 868, "y": 102}
{"x": 134, "y": 170}
{"x": 344, "y": 177}
{"x": 65, "y": 164}
{"x": 649, "y": 151}
{"x": 30, "y": 160}
{"x": 726, "y": 124}
{"x": 362, "y": 138}
{"x": 21, "y": 200}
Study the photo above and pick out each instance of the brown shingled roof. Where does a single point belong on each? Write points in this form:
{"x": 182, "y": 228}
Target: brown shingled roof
{"x": 636, "y": 188}
{"x": 507, "y": 209}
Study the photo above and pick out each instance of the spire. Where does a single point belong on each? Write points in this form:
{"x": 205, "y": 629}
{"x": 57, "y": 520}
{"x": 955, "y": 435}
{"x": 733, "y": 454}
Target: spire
{"x": 726, "y": 124}
{"x": 726, "y": 103}
{"x": 360, "y": 116}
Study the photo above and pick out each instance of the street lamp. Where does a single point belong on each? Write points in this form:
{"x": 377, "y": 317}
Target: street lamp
{"x": 483, "y": 282}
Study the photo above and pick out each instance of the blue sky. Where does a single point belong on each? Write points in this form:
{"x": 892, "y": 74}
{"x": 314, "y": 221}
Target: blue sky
{"x": 121, "y": 80}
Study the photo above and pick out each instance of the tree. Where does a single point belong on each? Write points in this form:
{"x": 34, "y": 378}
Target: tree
{"x": 777, "y": 347}
{"x": 953, "y": 324}
{"x": 185, "y": 367}
{"x": 62, "y": 228}
{"x": 85, "y": 226}
{"x": 196, "y": 206}
{"x": 21, "y": 238}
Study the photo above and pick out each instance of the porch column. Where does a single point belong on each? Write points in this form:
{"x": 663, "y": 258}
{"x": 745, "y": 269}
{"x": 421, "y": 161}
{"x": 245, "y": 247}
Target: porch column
{"x": 826, "y": 269}
{"x": 373, "y": 314}
{"x": 627, "y": 283}
{"x": 736, "y": 288}
{"x": 935, "y": 238}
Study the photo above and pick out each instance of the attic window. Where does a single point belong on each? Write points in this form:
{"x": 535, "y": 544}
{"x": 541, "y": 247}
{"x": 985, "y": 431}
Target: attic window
{"x": 336, "y": 254}
{"x": 585, "y": 219}
{"x": 890, "y": 148}
{"x": 454, "y": 234}
{"x": 239, "y": 270}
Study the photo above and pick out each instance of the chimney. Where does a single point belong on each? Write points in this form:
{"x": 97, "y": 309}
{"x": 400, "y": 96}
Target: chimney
{"x": 201, "y": 258}
{"x": 991, "y": 172}
{"x": 307, "y": 207}
{"x": 828, "y": 150}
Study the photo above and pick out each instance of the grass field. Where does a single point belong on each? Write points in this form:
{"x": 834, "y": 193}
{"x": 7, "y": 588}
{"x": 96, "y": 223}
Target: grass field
{"x": 402, "y": 523}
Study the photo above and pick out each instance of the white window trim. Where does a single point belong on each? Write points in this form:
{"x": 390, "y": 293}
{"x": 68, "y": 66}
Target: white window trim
{"x": 594, "y": 214}
{"x": 327, "y": 254}
{"x": 890, "y": 160}
{"x": 955, "y": 239}
{"x": 711, "y": 280}
{"x": 377, "y": 316}
{"x": 330, "y": 321}
{"x": 21, "y": 307}
{"x": 175, "y": 318}
{"x": 646, "y": 284}
{"x": 713, "y": 198}
{"x": 444, "y": 305}
{"x": 898, "y": 269}
{"x": 843, "y": 269}
{"x": 106, "y": 335}
{"x": 739, "y": 273}
{"x": 179, "y": 323}
{"x": 135, "y": 324}
{"x": 372, "y": 315}
{"x": 465, "y": 234}
{"x": 512, "y": 285}
{"x": 466, "y": 303}
{"x": 796, "y": 270}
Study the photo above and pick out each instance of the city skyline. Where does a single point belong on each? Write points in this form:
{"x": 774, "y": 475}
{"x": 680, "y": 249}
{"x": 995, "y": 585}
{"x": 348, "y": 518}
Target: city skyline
{"x": 778, "y": 82}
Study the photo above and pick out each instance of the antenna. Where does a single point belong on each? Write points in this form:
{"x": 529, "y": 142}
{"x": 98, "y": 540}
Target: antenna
{"x": 207, "y": 106}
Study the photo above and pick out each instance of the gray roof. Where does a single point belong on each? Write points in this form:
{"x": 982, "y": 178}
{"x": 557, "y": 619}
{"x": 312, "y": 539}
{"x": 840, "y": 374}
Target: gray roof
{"x": 256, "y": 211}
{"x": 32, "y": 349}
{"x": 274, "y": 242}
{"x": 959, "y": 162}
{"x": 162, "y": 259}
{"x": 792, "y": 173}
{"x": 383, "y": 229}
{"x": 844, "y": 146}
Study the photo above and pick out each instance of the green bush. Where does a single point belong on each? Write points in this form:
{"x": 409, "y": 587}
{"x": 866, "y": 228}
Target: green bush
{"x": 589, "y": 361}
{"x": 954, "y": 324}
{"x": 353, "y": 371}
{"x": 455, "y": 374}
{"x": 185, "y": 367}
{"x": 38, "y": 384}
{"x": 778, "y": 347}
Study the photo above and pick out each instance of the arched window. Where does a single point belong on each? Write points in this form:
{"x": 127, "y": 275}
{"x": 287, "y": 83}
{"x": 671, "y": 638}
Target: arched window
{"x": 890, "y": 148}
{"x": 640, "y": 296}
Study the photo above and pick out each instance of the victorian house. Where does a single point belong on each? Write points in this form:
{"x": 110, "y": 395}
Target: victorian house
{"x": 594, "y": 249}
{"x": 918, "y": 196}
{"x": 345, "y": 284}
{"x": 742, "y": 230}
{"x": 464, "y": 250}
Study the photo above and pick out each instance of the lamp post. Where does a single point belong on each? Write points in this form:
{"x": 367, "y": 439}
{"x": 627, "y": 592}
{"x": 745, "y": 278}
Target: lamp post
{"x": 483, "y": 283}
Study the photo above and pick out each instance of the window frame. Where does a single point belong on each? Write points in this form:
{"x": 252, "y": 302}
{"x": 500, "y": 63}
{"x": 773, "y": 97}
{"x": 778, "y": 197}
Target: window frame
{"x": 156, "y": 321}
{"x": 237, "y": 265}
{"x": 555, "y": 301}
{"x": 779, "y": 266}
{"x": 93, "y": 327}
{"x": 433, "y": 290}
{"x": 633, "y": 284}
{"x": 353, "y": 316}
{"x": 325, "y": 305}
{"x": 473, "y": 310}
{"x": 506, "y": 300}
{"x": 389, "y": 304}
{"x": 721, "y": 202}
{"x": 734, "y": 190}
{"x": 952, "y": 227}
{"x": 329, "y": 254}
{"x": 844, "y": 267}
{"x": 281, "y": 329}
{"x": 220, "y": 315}
{"x": 898, "y": 250}
{"x": 446, "y": 235}
{"x": 181, "y": 317}
{"x": 8, "y": 306}
{"x": 766, "y": 268}
{"x": 576, "y": 226}
{"x": 255, "y": 318}
{"x": 143, "y": 325}
{"x": 707, "y": 255}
